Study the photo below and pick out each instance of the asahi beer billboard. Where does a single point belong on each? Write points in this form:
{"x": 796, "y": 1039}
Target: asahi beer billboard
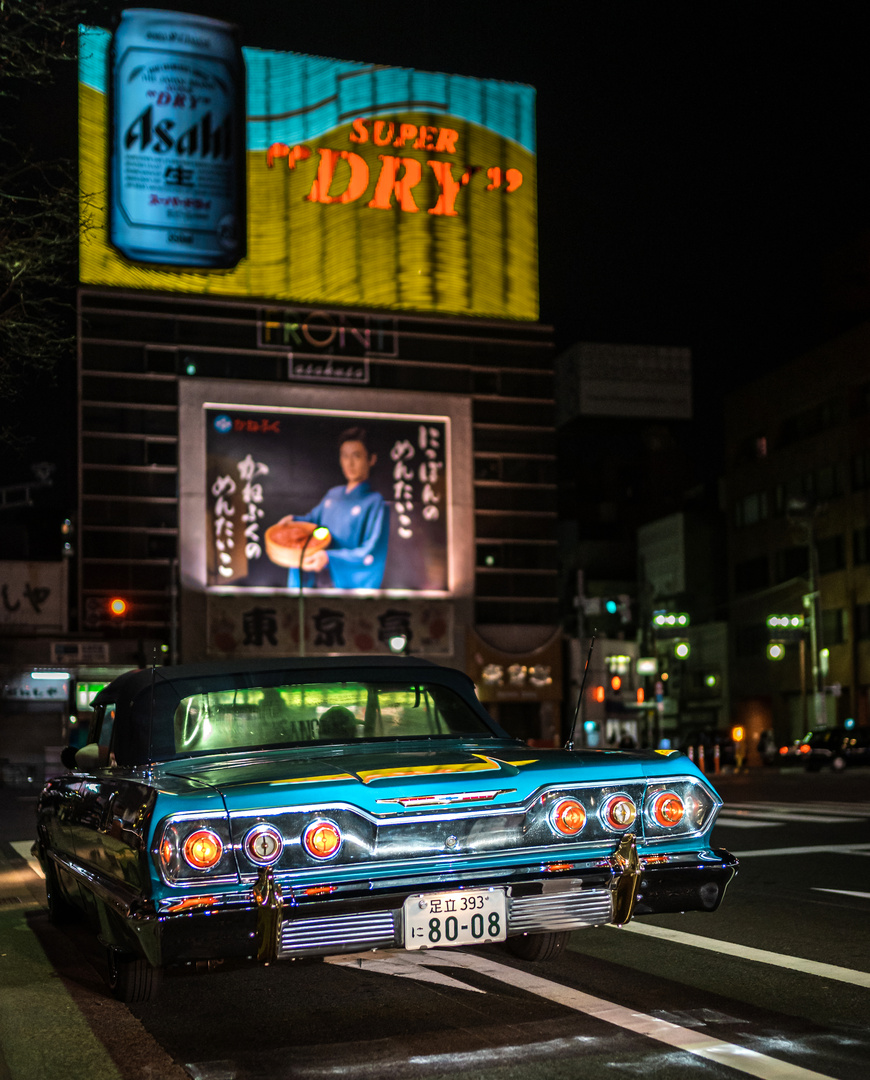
{"x": 214, "y": 169}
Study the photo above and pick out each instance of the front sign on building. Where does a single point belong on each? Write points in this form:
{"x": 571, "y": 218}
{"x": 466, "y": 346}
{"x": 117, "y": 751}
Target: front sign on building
{"x": 258, "y": 627}
{"x": 358, "y": 185}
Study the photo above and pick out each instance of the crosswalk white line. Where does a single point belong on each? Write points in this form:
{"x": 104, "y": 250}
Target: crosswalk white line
{"x": 846, "y": 810}
{"x": 743, "y": 823}
{"x": 786, "y": 815}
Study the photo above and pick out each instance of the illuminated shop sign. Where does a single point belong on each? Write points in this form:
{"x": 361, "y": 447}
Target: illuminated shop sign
{"x": 327, "y": 346}
{"x": 357, "y": 185}
{"x": 362, "y": 501}
{"x": 263, "y": 626}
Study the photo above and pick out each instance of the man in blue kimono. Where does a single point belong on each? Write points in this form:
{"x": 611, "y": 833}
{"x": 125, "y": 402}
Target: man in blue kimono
{"x": 358, "y": 519}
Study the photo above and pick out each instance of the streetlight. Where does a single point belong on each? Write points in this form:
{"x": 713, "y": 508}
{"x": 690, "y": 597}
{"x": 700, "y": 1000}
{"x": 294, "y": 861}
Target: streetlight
{"x": 320, "y": 533}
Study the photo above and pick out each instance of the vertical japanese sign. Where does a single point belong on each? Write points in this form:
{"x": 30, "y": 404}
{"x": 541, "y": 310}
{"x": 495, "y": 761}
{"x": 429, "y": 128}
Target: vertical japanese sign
{"x": 33, "y": 596}
{"x": 363, "y": 499}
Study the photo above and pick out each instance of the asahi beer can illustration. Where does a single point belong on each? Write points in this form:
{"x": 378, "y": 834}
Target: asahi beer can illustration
{"x": 177, "y": 149}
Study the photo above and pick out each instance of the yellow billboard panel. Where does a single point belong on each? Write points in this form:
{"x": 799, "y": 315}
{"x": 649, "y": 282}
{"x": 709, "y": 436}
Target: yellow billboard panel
{"x": 359, "y": 186}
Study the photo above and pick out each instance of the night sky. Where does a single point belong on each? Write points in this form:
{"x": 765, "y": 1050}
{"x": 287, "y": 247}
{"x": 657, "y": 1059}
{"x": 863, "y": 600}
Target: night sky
{"x": 698, "y": 164}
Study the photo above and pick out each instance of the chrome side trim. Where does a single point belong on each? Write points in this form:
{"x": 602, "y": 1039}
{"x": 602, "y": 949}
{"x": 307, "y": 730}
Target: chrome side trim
{"x": 123, "y": 899}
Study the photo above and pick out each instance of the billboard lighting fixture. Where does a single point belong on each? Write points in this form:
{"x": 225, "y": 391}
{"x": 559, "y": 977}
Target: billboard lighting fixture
{"x": 50, "y": 676}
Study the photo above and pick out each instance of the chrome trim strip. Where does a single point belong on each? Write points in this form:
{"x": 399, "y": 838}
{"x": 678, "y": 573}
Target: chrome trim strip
{"x": 364, "y": 930}
{"x": 559, "y": 911}
{"x": 130, "y": 904}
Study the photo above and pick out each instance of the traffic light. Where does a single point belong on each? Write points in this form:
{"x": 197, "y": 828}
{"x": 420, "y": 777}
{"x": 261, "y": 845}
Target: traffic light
{"x": 670, "y": 620}
{"x": 785, "y": 628}
{"x": 682, "y": 649}
{"x": 775, "y": 650}
{"x": 105, "y": 611}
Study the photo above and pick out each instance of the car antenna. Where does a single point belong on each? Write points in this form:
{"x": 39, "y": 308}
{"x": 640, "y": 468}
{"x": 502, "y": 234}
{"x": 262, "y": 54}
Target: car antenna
{"x": 569, "y": 745}
{"x": 151, "y": 709}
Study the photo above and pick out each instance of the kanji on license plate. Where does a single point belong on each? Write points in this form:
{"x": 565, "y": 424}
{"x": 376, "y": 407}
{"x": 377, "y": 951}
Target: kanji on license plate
{"x": 464, "y": 917}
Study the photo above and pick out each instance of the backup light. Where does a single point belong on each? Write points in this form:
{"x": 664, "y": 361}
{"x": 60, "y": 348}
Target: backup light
{"x": 263, "y": 845}
{"x": 618, "y": 812}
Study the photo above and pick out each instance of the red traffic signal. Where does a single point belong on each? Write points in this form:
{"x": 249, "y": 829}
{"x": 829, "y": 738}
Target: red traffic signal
{"x": 118, "y": 607}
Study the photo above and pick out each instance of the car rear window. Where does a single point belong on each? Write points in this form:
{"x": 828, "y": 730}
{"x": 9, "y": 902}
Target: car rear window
{"x": 256, "y": 717}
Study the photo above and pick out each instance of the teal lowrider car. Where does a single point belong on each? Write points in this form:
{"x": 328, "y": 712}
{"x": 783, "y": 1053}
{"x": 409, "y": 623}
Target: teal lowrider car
{"x": 299, "y": 808}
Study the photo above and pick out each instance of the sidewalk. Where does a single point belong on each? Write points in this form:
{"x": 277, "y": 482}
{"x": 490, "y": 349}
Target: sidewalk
{"x": 17, "y": 813}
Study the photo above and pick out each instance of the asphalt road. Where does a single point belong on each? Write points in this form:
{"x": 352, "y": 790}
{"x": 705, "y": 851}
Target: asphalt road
{"x": 776, "y": 984}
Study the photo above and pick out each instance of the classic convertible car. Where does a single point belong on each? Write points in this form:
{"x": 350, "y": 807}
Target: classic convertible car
{"x": 308, "y": 807}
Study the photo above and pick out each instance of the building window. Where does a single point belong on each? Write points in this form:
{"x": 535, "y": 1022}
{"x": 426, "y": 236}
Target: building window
{"x": 832, "y": 554}
{"x": 862, "y": 622}
{"x": 861, "y": 546}
{"x": 826, "y": 483}
{"x": 750, "y": 641}
{"x": 751, "y": 575}
{"x": 833, "y": 626}
{"x": 861, "y": 470}
{"x": 751, "y": 509}
{"x": 792, "y": 563}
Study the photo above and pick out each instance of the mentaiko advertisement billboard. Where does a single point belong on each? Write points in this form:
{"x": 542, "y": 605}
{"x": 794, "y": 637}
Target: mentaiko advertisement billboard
{"x": 373, "y": 504}
{"x": 218, "y": 170}
{"x": 363, "y": 499}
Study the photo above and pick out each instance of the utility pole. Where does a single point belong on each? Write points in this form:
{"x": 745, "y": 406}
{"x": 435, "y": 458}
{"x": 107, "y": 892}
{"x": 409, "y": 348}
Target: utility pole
{"x": 803, "y": 513}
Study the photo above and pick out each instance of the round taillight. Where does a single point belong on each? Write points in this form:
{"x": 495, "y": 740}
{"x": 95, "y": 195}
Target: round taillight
{"x": 568, "y": 817}
{"x": 804, "y": 749}
{"x": 322, "y": 839}
{"x": 667, "y": 809}
{"x": 263, "y": 845}
{"x": 618, "y": 812}
{"x": 203, "y": 849}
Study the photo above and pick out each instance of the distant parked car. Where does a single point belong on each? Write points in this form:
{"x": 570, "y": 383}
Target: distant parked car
{"x": 838, "y": 747}
{"x": 307, "y": 807}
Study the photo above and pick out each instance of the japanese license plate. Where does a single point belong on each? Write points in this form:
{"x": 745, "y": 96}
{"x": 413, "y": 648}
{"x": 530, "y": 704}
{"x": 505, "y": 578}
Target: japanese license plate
{"x": 466, "y": 917}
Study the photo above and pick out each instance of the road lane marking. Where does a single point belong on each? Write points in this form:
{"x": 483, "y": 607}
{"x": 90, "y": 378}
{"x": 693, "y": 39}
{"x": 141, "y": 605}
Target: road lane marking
{"x": 856, "y": 810}
{"x": 844, "y": 892}
{"x": 787, "y": 815}
{"x": 814, "y": 849}
{"x": 742, "y": 823}
{"x": 697, "y": 1042}
{"x": 746, "y": 952}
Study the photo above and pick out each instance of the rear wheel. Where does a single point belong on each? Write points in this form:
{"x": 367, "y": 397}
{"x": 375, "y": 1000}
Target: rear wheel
{"x": 539, "y": 946}
{"x": 132, "y": 979}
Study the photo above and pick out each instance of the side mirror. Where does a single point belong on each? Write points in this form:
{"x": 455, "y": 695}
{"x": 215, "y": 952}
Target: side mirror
{"x": 91, "y": 756}
{"x": 68, "y": 757}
